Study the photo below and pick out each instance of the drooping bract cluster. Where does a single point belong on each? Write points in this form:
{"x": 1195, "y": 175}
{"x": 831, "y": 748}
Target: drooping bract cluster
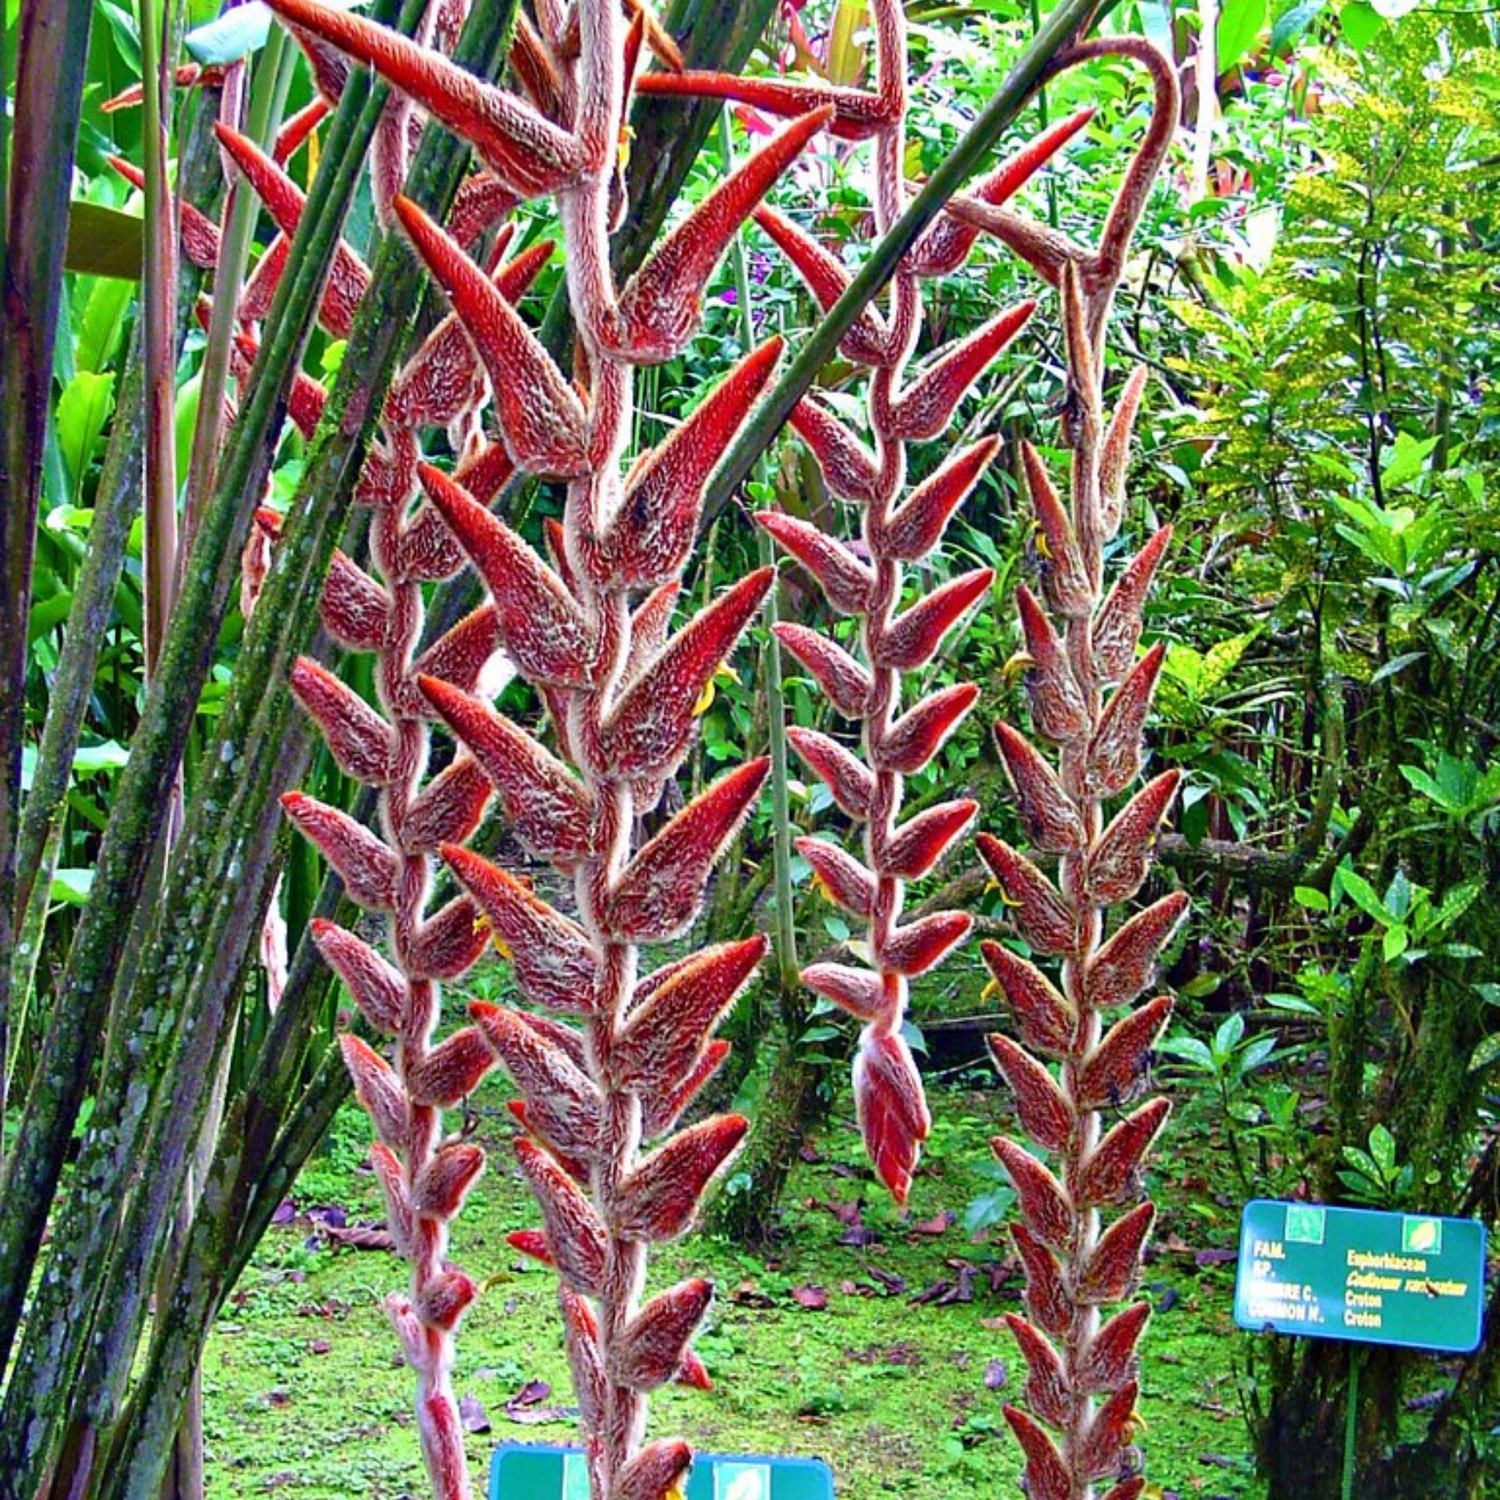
{"x": 1090, "y": 695}
{"x": 610, "y": 1058}
{"x": 903, "y": 406}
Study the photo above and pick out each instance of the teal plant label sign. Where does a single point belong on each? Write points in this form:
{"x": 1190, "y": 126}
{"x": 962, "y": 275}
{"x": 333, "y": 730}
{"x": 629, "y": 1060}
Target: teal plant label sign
{"x": 527, "y": 1471}
{"x": 1351, "y": 1273}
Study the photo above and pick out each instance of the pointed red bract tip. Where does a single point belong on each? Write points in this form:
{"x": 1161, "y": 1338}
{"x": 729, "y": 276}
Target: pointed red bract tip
{"x": 661, "y": 304}
{"x": 542, "y": 420}
{"x": 928, "y": 403}
{"x": 892, "y": 1111}
{"x": 527, "y": 152}
{"x": 857, "y": 115}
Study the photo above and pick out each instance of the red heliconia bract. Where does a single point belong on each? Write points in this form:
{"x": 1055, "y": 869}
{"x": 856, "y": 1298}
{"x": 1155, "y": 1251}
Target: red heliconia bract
{"x": 1089, "y": 697}
{"x": 600, "y": 1092}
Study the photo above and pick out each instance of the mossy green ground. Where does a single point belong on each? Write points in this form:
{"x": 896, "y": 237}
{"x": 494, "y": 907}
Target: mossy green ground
{"x": 305, "y": 1395}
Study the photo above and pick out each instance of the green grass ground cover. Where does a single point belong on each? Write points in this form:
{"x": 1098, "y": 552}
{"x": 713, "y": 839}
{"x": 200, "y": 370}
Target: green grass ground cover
{"x": 819, "y": 1349}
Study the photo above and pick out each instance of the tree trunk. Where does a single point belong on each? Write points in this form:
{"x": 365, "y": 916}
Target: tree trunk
{"x": 792, "y": 1104}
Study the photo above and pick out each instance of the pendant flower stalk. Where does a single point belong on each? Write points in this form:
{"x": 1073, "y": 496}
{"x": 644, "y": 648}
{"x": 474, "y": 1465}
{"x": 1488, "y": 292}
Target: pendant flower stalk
{"x": 425, "y": 1176}
{"x": 903, "y": 405}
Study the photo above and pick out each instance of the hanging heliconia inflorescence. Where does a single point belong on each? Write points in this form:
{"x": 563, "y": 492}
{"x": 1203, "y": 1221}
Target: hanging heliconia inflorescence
{"x": 903, "y": 407}
{"x": 611, "y": 1058}
{"x": 379, "y": 611}
{"x": 1090, "y": 695}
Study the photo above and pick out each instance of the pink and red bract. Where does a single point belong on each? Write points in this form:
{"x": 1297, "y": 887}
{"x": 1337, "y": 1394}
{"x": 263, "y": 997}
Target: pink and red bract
{"x": 902, "y": 406}
{"x": 1089, "y": 698}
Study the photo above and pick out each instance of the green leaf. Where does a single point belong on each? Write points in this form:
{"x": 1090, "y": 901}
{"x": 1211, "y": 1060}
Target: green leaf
{"x": 1240, "y": 24}
{"x": 127, "y": 36}
{"x": 1294, "y": 1003}
{"x": 1405, "y": 459}
{"x": 82, "y": 410}
{"x": 1396, "y": 664}
{"x": 1456, "y": 902}
{"x": 1398, "y": 896}
{"x": 1395, "y": 943}
{"x": 1383, "y": 1149}
{"x": 1227, "y": 1037}
{"x": 1256, "y": 1055}
{"x": 72, "y": 886}
{"x": 1360, "y": 23}
{"x": 846, "y": 53}
{"x": 1422, "y": 782}
{"x": 1310, "y": 897}
{"x": 103, "y": 320}
{"x": 48, "y": 613}
{"x": 1292, "y": 24}
{"x": 108, "y": 756}
{"x": 1190, "y": 1050}
{"x": 103, "y": 241}
{"x": 1485, "y": 1053}
{"x": 1359, "y": 890}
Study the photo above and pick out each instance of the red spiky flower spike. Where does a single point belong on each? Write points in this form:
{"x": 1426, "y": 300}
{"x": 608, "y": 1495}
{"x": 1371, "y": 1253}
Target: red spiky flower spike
{"x": 1078, "y": 1064}
{"x": 424, "y": 1174}
{"x": 903, "y": 405}
{"x": 605, "y": 1059}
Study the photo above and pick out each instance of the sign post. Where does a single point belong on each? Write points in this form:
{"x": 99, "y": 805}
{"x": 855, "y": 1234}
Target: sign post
{"x": 1413, "y": 1280}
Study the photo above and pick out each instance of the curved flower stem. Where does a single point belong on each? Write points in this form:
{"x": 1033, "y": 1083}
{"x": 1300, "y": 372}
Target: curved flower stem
{"x": 1070, "y": 19}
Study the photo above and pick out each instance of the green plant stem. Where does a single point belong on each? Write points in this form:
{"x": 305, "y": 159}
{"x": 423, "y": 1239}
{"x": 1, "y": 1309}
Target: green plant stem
{"x": 269, "y": 84}
{"x": 117, "y": 500}
{"x": 786, "y": 925}
{"x": 1351, "y": 1423}
{"x": 39, "y": 1381}
{"x": 158, "y": 289}
{"x": 50, "y": 55}
{"x": 1232, "y": 1135}
{"x": 1067, "y": 22}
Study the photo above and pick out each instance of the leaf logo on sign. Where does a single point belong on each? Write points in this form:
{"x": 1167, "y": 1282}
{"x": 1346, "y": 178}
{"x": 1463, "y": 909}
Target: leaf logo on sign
{"x": 743, "y": 1482}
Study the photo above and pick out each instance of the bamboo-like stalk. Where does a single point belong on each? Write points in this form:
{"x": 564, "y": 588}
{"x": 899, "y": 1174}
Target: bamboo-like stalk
{"x": 38, "y": 1385}
{"x": 52, "y": 45}
{"x": 158, "y": 294}
{"x": 117, "y": 501}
